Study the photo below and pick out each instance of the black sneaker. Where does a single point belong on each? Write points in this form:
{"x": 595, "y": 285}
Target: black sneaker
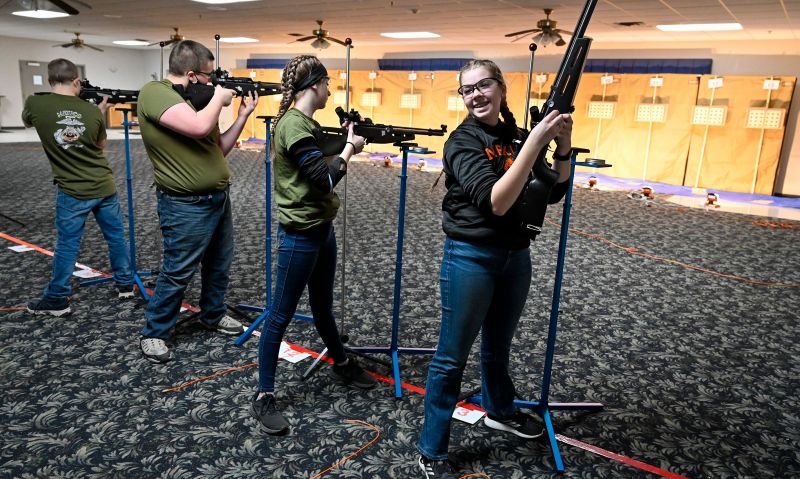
{"x": 265, "y": 411}
{"x": 125, "y": 292}
{"x": 57, "y": 307}
{"x": 352, "y": 373}
{"x": 436, "y": 469}
{"x": 521, "y": 424}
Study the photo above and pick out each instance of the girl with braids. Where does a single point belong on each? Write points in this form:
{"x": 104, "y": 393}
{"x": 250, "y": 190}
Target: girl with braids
{"x": 486, "y": 267}
{"x": 306, "y": 205}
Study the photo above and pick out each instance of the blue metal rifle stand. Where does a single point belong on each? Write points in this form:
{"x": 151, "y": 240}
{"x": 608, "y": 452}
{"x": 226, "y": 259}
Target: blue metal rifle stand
{"x": 131, "y": 228}
{"x": 268, "y": 241}
{"x": 393, "y": 349}
{"x": 543, "y": 406}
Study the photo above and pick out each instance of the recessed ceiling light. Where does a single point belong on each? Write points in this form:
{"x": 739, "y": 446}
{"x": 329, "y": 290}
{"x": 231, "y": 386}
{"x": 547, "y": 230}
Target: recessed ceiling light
{"x": 40, "y": 14}
{"x": 410, "y": 35}
{"x": 238, "y": 40}
{"x": 219, "y": 2}
{"x": 131, "y": 43}
{"x": 112, "y": 16}
{"x": 700, "y": 27}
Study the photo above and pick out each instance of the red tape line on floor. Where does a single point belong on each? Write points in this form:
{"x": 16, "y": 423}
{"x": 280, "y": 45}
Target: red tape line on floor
{"x": 410, "y": 387}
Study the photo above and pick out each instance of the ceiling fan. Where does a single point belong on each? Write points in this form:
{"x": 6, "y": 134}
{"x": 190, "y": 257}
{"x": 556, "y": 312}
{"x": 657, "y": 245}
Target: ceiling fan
{"x": 78, "y": 42}
{"x": 321, "y": 37}
{"x": 547, "y": 32}
{"x": 174, "y": 38}
{"x": 44, "y": 4}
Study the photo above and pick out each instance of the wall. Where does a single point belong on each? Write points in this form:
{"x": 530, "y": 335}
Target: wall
{"x": 112, "y": 68}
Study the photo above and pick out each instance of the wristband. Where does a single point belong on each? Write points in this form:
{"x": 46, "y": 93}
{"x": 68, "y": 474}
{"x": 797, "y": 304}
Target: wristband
{"x": 558, "y": 157}
{"x": 353, "y": 145}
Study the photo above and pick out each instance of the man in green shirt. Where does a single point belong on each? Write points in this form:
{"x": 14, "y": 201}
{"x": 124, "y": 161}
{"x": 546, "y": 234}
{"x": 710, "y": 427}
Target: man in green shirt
{"x": 73, "y": 135}
{"x": 178, "y": 118}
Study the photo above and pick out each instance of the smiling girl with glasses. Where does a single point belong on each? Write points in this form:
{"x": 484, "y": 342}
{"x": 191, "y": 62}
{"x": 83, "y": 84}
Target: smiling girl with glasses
{"x": 486, "y": 267}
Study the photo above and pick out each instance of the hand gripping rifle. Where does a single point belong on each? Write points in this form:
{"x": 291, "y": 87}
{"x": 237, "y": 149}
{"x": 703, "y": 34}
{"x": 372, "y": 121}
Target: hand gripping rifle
{"x": 536, "y": 196}
{"x": 242, "y": 86}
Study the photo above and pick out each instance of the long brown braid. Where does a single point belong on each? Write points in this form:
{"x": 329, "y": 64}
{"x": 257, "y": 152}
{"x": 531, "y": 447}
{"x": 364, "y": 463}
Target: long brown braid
{"x": 508, "y": 118}
{"x": 295, "y": 71}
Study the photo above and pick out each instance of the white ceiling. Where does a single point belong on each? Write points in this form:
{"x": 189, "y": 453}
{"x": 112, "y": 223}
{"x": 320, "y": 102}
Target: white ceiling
{"x": 461, "y": 23}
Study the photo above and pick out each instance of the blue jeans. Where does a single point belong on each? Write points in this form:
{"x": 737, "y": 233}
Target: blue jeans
{"x": 483, "y": 290}
{"x": 304, "y": 258}
{"x": 196, "y": 230}
{"x": 71, "y": 216}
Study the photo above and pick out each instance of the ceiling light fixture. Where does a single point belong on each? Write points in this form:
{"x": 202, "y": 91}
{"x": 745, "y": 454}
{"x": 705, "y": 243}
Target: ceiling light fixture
{"x": 700, "y": 27}
{"x": 221, "y": 2}
{"x": 238, "y": 40}
{"x": 406, "y": 35}
{"x": 131, "y": 43}
{"x": 40, "y": 14}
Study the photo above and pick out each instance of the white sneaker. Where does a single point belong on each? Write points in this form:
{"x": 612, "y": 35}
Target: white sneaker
{"x": 226, "y": 325}
{"x": 155, "y": 350}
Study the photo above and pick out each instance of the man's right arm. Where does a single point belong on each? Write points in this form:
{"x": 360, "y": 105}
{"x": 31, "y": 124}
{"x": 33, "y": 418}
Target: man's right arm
{"x": 182, "y": 119}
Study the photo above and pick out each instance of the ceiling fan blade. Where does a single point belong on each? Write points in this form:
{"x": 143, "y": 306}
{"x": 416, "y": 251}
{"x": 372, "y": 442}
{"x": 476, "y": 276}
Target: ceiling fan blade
{"x": 522, "y": 32}
{"x": 295, "y": 34}
{"x": 64, "y": 6}
{"x": 336, "y": 40}
{"x": 305, "y": 38}
{"x": 93, "y": 47}
{"x": 83, "y": 4}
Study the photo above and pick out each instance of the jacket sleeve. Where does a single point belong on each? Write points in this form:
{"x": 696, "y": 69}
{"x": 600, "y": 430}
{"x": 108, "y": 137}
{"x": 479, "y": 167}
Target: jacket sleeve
{"x": 466, "y": 161}
{"x": 308, "y": 157}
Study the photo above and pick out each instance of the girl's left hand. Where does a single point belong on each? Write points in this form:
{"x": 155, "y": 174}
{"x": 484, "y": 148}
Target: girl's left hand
{"x": 564, "y": 137}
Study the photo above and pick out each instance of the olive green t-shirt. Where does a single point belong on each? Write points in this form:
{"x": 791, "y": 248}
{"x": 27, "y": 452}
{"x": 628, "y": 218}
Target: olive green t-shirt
{"x": 300, "y": 204}
{"x": 70, "y": 130}
{"x": 182, "y": 165}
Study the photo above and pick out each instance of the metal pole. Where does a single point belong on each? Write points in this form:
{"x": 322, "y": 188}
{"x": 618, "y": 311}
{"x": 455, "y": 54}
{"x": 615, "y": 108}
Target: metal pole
{"x": 532, "y": 47}
{"x": 342, "y": 303}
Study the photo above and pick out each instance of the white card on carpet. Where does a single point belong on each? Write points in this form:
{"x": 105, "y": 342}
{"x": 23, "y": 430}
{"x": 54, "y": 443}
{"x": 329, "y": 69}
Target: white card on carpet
{"x": 291, "y": 355}
{"x": 469, "y": 416}
{"x": 20, "y": 248}
{"x": 86, "y": 273}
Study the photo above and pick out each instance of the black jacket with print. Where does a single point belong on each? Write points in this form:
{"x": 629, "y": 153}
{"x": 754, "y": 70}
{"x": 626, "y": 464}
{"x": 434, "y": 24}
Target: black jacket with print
{"x": 475, "y": 157}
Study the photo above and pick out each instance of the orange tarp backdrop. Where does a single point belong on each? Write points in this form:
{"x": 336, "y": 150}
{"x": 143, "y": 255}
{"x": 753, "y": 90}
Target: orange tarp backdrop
{"x": 666, "y": 152}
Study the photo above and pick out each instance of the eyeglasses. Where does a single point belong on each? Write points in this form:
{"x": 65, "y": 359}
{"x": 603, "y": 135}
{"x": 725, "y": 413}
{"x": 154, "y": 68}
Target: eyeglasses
{"x": 207, "y": 74}
{"x": 482, "y": 86}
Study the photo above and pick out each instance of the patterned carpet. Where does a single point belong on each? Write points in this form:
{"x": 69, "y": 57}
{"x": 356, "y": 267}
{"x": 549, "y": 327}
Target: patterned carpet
{"x": 698, "y": 372}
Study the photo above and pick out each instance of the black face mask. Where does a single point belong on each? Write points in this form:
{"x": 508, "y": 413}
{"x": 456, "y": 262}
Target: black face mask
{"x": 197, "y": 93}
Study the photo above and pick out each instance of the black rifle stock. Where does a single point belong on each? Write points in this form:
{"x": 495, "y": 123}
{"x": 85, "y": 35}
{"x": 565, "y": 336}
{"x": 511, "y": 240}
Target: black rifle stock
{"x": 242, "y": 86}
{"x": 536, "y": 195}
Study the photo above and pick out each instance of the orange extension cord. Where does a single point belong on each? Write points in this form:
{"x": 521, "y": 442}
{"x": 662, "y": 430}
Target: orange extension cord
{"x": 635, "y": 251}
{"x": 371, "y": 442}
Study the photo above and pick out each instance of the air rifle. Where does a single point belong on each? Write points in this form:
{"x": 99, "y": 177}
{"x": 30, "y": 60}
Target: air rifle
{"x": 378, "y": 133}
{"x": 242, "y": 86}
{"x": 536, "y": 196}
{"x": 95, "y": 95}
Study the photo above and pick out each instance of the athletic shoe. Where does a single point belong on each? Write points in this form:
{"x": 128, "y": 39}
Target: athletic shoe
{"x": 56, "y": 306}
{"x": 266, "y": 412}
{"x": 226, "y": 325}
{"x": 125, "y": 292}
{"x": 155, "y": 350}
{"x": 521, "y": 424}
{"x": 351, "y": 373}
{"x": 436, "y": 469}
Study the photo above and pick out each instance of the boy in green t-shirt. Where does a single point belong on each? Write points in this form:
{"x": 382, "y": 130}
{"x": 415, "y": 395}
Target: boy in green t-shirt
{"x": 73, "y": 135}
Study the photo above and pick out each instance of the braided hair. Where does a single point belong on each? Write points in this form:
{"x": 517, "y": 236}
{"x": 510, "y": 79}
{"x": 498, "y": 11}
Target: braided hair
{"x": 295, "y": 71}
{"x": 508, "y": 118}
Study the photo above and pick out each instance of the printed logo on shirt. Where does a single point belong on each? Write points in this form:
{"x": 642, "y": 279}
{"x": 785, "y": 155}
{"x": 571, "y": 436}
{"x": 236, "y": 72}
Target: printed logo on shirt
{"x": 73, "y": 128}
{"x": 504, "y": 152}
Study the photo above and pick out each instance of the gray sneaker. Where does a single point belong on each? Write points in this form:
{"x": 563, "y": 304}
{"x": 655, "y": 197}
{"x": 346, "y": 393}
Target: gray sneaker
{"x": 155, "y": 350}
{"x": 125, "y": 292}
{"x": 226, "y": 325}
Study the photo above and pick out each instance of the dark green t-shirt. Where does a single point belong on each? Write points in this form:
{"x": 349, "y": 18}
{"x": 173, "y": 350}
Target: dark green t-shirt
{"x": 300, "y": 204}
{"x": 70, "y": 130}
{"x": 182, "y": 165}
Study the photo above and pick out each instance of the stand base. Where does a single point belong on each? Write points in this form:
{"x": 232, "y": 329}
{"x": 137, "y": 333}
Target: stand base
{"x": 394, "y": 353}
{"x": 137, "y": 279}
{"x": 544, "y": 410}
